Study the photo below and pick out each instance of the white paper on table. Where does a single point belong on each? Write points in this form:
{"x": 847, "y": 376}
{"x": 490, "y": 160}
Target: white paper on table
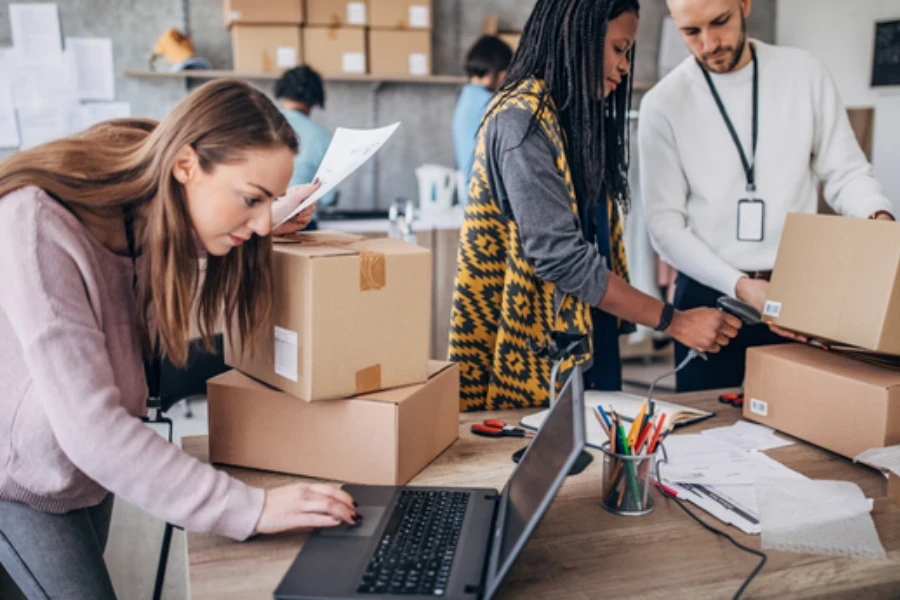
{"x": 733, "y": 504}
{"x": 672, "y": 49}
{"x": 9, "y": 129}
{"x": 92, "y": 60}
{"x": 748, "y": 436}
{"x": 348, "y": 151}
{"x": 39, "y": 125}
{"x": 882, "y": 458}
{"x": 92, "y": 113}
{"x": 700, "y": 459}
{"x": 35, "y": 32}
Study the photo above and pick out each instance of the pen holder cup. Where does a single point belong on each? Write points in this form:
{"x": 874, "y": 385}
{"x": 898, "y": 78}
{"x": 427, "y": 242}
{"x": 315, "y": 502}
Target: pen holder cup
{"x": 627, "y": 482}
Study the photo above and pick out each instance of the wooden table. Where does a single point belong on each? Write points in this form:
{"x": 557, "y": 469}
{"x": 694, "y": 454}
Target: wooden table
{"x": 583, "y": 552}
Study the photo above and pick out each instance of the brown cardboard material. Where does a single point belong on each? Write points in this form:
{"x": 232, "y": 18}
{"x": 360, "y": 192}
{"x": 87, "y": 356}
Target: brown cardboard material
{"x": 826, "y": 399}
{"x": 838, "y": 278}
{"x": 336, "y": 50}
{"x": 335, "y": 334}
{"x": 384, "y": 438}
{"x": 337, "y": 13}
{"x": 400, "y": 14}
{"x": 266, "y": 48}
{"x": 491, "y": 26}
{"x": 894, "y": 488}
{"x": 398, "y": 52}
{"x": 512, "y": 39}
{"x": 268, "y": 12}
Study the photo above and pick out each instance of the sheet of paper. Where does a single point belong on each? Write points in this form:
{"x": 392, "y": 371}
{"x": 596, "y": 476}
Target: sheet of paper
{"x": 349, "y": 150}
{"x": 35, "y": 32}
{"x": 748, "y": 436}
{"x": 882, "y": 458}
{"x": 45, "y": 85}
{"x": 37, "y": 125}
{"x": 9, "y": 129}
{"x": 93, "y": 67}
{"x": 817, "y": 517}
{"x": 701, "y": 459}
{"x": 92, "y": 113}
{"x": 672, "y": 49}
{"x": 733, "y": 505}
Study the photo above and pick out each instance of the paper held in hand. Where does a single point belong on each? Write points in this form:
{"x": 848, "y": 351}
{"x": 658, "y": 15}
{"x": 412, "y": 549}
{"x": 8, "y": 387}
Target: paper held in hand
{"x": 349, "y": 150}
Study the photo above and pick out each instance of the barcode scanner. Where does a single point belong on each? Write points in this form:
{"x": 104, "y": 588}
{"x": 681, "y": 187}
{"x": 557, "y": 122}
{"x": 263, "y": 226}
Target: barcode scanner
{"x": 740, "y": 309}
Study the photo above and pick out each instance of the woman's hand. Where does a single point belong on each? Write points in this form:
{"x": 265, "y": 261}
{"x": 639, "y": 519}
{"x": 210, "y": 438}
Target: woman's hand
{"x": 291, "y": 200}
{"x": 305, "y": 506}
{"x": 704, "y": 329}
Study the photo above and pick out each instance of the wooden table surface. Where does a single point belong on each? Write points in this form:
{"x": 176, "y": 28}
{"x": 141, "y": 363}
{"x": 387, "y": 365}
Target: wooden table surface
{"x": 580, "y": 551}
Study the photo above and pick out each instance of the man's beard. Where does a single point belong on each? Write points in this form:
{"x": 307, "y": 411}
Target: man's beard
{"x": 736, "y": 52}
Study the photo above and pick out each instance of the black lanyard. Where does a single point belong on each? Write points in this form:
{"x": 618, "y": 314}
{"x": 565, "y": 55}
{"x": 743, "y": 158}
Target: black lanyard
{"x": 749, "y": 168}
{"x": 153, "y": 368}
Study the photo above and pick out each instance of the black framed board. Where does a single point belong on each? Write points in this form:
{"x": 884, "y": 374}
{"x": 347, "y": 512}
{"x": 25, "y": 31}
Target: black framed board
{"x": 886, "y": 62}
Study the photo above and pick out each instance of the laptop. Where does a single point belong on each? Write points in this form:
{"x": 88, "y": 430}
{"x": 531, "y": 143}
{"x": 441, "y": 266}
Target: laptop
{"x": 438, "y": 542}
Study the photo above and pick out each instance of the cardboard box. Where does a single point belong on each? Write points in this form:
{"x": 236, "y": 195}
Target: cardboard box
{"x": 512, "y": 39}
{"x": 382, "y": 438}
{"x": 826, "y": 399}
{"x": 839, "y": 278}
{"x": 267, "y": 12}
{"x": 336, "y": 50}
{"x": 396, "y": 52}
{"x": 337, "y": 13}
{"x": 400, "y": 14}
{"x": 266, "y": 48}
{"x": 351, "y": 316}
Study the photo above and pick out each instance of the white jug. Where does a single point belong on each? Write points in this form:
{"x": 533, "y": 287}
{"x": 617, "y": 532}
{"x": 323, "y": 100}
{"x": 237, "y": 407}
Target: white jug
{"x": 437, "y": 185}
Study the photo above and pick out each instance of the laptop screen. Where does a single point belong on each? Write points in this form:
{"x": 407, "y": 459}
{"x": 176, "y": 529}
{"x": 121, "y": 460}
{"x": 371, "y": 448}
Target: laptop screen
{"x": 538, "y": 477}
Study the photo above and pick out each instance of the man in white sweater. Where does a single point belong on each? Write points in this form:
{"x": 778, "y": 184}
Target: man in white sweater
{"x": 731, "y": 141}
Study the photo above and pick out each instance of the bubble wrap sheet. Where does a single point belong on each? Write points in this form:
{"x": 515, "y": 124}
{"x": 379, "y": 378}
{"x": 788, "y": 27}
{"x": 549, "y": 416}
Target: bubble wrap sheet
{"x": 817, "y": 517}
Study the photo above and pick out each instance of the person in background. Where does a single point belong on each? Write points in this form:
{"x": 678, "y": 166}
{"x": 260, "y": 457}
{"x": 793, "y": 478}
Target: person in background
{"x": 542, "y": 220}
{"x": 486, "y": 65}
{"x": 734, "y": 139}
{"x": 300, "y": 90}
{"x": 100, "y": 239}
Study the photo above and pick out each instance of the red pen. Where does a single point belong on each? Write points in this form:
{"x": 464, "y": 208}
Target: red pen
{"x": 666, "y": 489}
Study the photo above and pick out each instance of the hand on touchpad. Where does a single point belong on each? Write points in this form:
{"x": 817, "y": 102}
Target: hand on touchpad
{"x": 371, "y": 516}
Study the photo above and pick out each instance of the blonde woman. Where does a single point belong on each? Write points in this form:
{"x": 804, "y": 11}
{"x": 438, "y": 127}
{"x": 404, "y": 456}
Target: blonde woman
{"x": 99, "y": 240}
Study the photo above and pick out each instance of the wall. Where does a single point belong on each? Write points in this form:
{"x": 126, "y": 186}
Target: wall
{"x": 425, "y": 110}
{"x": 841, "y": 33}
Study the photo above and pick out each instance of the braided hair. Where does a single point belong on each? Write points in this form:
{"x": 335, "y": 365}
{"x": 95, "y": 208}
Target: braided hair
{"x": 563, "y": 44}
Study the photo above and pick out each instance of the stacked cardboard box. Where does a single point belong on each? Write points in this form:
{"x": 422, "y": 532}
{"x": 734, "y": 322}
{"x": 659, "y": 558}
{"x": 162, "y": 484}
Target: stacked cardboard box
{"x": 400, "y": 37}
{"x": 265, "y": 36}
{"x": 334, "y": 39}
{"x": 837, "y": 280}
{"x": 340, "y": 386}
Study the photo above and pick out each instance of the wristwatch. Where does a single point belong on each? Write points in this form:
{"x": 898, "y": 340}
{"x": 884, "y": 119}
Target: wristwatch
{"x": 665, "y": 320}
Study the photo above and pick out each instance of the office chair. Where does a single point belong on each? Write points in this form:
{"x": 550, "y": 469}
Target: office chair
{"x": 169, "y": 385}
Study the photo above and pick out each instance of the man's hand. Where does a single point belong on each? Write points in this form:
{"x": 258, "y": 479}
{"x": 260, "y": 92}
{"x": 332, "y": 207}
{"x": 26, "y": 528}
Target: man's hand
{"x": 752, "y": 291}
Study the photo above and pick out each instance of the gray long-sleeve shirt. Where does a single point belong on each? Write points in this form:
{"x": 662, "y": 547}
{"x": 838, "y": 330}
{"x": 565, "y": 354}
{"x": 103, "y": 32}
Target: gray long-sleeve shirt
{"x": 530, "y": 188}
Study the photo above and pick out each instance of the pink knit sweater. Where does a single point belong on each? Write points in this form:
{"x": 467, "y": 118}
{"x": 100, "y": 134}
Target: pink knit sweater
{"x": 72, "y": 383}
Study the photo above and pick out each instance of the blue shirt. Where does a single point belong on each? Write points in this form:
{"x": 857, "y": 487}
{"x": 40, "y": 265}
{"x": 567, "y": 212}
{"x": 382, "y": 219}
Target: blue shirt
{"x": 314, "y": 141}
{"x": 470, "y": 108}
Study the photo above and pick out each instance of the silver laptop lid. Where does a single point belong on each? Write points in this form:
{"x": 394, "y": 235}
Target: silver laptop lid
{"x": 536, "y": 480}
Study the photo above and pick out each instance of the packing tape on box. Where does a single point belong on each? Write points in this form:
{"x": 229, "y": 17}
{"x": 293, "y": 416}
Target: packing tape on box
{"x": 368, "y": 379}
{"x": 372, "y": 265}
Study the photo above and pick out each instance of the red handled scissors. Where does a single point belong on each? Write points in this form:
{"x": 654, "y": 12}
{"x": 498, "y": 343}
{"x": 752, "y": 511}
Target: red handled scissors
{"x": 497, "y": 428}
{"x": 736, "y": 400}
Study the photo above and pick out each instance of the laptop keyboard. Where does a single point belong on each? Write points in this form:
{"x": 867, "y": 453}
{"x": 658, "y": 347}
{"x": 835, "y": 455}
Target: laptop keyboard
{"x": 416, "y": 550}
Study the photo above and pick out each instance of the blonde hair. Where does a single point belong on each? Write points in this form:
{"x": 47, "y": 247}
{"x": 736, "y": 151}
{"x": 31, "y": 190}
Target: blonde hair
{"x": 126, "y": 165}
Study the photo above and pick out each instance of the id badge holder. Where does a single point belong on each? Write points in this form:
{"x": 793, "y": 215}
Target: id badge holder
{"x": 751, "y": 220}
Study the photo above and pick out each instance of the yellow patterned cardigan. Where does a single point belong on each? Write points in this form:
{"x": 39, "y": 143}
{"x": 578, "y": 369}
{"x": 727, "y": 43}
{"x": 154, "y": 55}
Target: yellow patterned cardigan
{"x": 501, "y": 309}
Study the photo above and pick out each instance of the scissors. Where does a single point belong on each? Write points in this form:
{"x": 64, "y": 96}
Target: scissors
{"x": 497, "y": 428}
{"x": 736, "y": 400}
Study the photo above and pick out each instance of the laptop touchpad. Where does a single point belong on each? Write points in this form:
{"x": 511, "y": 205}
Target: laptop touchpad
{"x": 371, "y": 517}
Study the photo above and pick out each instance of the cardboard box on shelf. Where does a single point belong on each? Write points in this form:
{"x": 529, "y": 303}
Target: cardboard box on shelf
{"x": 400, "y": 14}
{"x": 266, "y": 48}
{"x": 270, "y": 12}
{"x": 336, "y": 50}
{"x": 512, "y": 39}
{"x": 839, "y": 403}
{"x": 838, "y": 278}
{"x": 399, "y": 52}
{"x": 491, "y": 26}
{"x": 351, "y": 316}
{"x": 381, "y": 438}
{"x": 337, "y": 13}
